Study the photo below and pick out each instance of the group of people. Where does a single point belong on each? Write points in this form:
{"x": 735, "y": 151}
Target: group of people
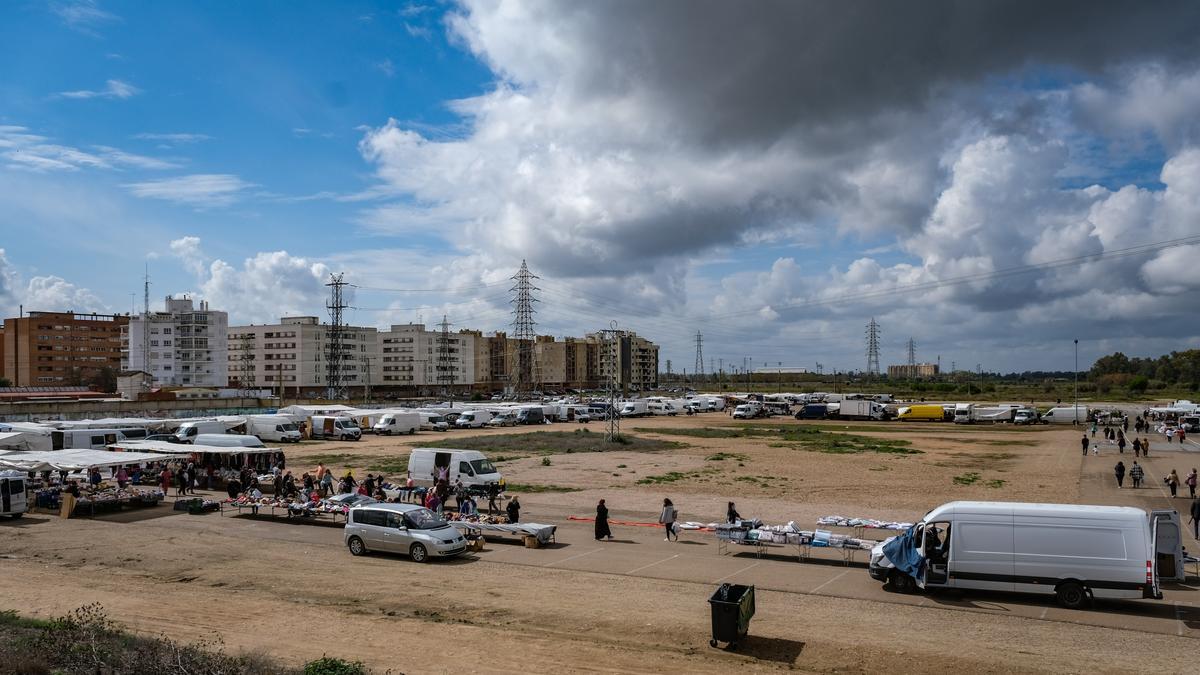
{"x": 667, "y": 517}
{"x": 1141, "y": 446}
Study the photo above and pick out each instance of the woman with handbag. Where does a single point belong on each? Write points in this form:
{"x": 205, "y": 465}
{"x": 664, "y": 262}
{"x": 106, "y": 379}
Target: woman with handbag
{"x": 667, "y": 518}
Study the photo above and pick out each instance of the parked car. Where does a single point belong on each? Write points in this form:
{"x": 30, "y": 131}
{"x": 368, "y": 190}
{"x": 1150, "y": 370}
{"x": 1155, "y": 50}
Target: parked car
{"x": 401, "y": 528}
{"x": 507, "y": 419}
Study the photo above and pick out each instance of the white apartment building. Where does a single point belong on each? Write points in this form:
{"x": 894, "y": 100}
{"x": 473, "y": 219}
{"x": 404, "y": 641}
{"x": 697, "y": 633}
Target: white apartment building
{"x": 294, "y": 355}
{"x": 412, "y": 356}
{"x": 186, "y": 346}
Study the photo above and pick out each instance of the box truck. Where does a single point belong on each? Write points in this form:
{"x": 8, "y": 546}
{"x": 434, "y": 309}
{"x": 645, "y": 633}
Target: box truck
{"x": 860, "y": 410}
{"x": 1071, "y": 551}
{"x": 469, "y": 466}
{"x": 397, "y": 423}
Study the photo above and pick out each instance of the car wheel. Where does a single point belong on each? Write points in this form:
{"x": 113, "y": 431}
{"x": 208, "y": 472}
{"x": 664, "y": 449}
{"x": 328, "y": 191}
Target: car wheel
{"x": 1071, "y": 595}
{"x": 418, "y": 553}
{"x": 357, "y": 547}
{"x": 901, "y": 582}
{"x": 17, "y": 515}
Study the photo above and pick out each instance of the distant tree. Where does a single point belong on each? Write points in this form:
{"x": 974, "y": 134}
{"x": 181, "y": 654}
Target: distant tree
{"x": 104, "y": 379}
{"x": 1138, "y": 384}
{"x": 5, "y": 382}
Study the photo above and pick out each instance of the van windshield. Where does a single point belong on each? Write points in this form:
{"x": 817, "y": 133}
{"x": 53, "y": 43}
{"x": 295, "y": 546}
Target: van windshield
{"x": 288, "y": 427}
{"x": 423, "y": 519}
{"x": 482, "y": 466}
{"x": 434, "y": 419}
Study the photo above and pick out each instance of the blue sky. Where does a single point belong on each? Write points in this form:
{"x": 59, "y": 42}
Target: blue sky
{"x": 679, "y": 177}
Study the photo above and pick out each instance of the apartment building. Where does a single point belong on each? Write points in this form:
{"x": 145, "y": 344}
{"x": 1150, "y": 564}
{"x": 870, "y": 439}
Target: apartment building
{"x": 181, "y": 346}
{"x": 413, "y": 356}
{"x": 633, "y": 358}
{"x": 293, "y": 356}
{"x": 918, "y": 371}
{"x": 44, "y": 349}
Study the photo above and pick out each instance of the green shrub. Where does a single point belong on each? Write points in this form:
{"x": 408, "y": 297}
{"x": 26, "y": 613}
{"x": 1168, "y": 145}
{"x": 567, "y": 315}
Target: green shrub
{"x": 327, "y": 665}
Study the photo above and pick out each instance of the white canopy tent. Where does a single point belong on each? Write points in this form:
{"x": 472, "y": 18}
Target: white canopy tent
{"x": 185, "y": 450}
{"x": 25, "y": 440}
{"x": 75, "y": 460}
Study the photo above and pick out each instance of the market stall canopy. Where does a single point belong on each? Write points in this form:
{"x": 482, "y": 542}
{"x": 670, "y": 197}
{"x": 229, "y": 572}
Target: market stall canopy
{"x": 25, "y": 440}
{"x": 74, "y": 460}
{"x": 176, "y": 448}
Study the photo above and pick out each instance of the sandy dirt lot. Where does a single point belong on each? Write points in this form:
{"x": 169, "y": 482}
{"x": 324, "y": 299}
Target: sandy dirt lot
{"x": 634, "y": 605}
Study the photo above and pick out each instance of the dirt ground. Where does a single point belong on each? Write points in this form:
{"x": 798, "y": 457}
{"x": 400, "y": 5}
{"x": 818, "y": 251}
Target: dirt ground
{"x": 295, "y": 592}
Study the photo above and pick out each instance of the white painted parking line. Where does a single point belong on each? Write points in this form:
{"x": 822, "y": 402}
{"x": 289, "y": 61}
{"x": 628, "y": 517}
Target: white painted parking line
{"x": 1179, "y": 618}
{"x": 639, "y": 569}
{"x": 1043, "y": 615}
{"x": 829, "y": 581}
{"x": 577, "y": 555}
{"x": 738, "y": 572}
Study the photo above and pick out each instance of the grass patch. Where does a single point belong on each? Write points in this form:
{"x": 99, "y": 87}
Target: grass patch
{"x": 969, "y": 478}
{"x": 995, "y": 483}
{"x": 530, "y": 488}
{"x": 976, "y": 460}
{"x": 552, "y": 443}
{"x": 394, "y": 464}
{"x": 801, "y": 438}
{"x": 722, "y": 456}
{"x": 669, "y": 477}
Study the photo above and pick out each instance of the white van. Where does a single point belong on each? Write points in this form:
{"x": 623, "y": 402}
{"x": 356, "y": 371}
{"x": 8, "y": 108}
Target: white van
{"x": 12, "y": 493}
{"x": 469, "y": 466}
{"x": 473, "y": 419}
{"x": 398, "y": 423}
{"x": 747, "y": 411}
{"x": 1067, "y": 415}
{"x": 186, "y": 433}
{"x": 635, "y": 409}
{"x": 91, "y": 439}
{"x": 341, "y": 428}
{"x": 228, "y": 441}
{"x": 433, "y": 422}
{"x": 660, "y": 408}
{"x": 279, "y": 428}
{"x": 1074, "y": 552}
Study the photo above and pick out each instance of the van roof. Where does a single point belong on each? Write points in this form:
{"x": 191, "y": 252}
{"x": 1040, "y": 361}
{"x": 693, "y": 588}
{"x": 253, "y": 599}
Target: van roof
{"x": 387, "y": 506}
{"x": 1035, "y": 509}
{"x": 448, "y": 450}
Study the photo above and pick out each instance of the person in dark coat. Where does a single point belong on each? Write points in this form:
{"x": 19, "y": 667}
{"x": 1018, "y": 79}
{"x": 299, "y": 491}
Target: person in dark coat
{"x": 1196, "y": 518}
{"x": 1084, "y": 443}
{"x": 493, "y": 491}
{"x": 1120, "y": 471}
{"x": 602, "y": 529}
{"x": 514, "y": 510}
{"x": 233, "y": 487}
{"x": 731, "y": 515}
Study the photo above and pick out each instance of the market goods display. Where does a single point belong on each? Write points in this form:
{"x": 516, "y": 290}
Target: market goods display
{"x": 105, "y": 497}
{"x": 867, "y": 523}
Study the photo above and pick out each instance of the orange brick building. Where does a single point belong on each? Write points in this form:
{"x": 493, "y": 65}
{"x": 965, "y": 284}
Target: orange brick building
{"x": 47, "y": 349}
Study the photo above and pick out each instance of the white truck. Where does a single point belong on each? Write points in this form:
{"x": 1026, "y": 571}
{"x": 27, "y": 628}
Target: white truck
{"x": 278, "y": 428}
{"x": 470, "y": 466}
{"x": 1074, "y": 552}
{"x": 860, "y": 409}
{"x": 397, "y": 423}
{"x": 473, "y": 419}
{"x": 339, "y": 427}
{"x": 635, "y": 409}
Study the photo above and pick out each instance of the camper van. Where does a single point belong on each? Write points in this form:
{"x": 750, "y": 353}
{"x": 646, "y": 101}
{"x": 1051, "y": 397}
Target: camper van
{"x": 1066, "y": 415}
{"x": 12, "y": 493}
{"x": 186, "y": 433}
{"x": 278, "y": 428}
{"x": 926, "y": 412}
{"x": 473, "y": 419}
{"x": 1073, "y": 552}
{"x": 339, "y": 428}
{"x": 469, "y": 466}
{"x": 397, "y": 423}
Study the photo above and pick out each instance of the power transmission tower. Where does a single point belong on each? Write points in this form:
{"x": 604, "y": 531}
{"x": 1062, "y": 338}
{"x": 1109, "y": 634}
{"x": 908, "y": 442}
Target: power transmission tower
{"x": 698, "y": 371}
{"x": 668, "y": 370}
{"x": 525, "y": 374}
{"x": 873, "y": 349}
{"x": 334, "y": 378}
{"x": 612, "y": 338}
{"x": 367, "y": 382}
{"x": 246, "y": 377}
{"x": 912, "y": 357}
{"x": 146, "y": 324}
{"x": 445, "y": 357}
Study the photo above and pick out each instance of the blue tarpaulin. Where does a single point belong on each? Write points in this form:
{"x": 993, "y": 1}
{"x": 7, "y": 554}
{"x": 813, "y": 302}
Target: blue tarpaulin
{"x": 904, "y": 552}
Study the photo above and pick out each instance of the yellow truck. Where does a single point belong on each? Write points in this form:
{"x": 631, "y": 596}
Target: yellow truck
{"x": 928, "y": 412}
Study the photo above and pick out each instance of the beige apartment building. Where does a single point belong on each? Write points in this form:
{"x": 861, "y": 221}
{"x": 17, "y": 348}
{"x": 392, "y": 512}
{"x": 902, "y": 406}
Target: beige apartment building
{"x": 293, "y": 356}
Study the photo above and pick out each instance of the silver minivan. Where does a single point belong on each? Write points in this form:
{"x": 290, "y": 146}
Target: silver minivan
{"x": 402, "y": 528}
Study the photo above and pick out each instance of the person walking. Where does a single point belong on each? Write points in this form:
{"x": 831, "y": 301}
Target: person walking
{"x": 1190, "y": 481}
{"x": 1084, "y": 442}
{"x": 1170, "y": 435}
{"x": 1120, "y": 471}
{"x": 602, "y": 529}
{"x": 1136, "y": 474}
{"x": 1093, "y": 429}
{"x": 493, "y": 491}
{"x": 1195, "y": 521}
{"x": 1121, "y": 442}
{"x": 514, "y": 510}
{"x": 1146, "y": 447}
{"x": 1172, "y": 481}
{"x": 667, "y": 519}
{"x": 1137, "y": 447}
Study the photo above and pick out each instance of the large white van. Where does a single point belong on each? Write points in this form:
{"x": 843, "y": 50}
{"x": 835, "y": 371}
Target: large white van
{"x": 279, "y": 428}
{"x": 1066, "y": 415}
{"x": 469, "y": 466}
{"x": 186, "y": 433}
{"x": 1074, "y": 552}
{"x": 398, "y": 423}
{"x": 341, "y": 428}
{"x": 91, "y": 439}
{"x": 431, "y": 421}
{"x": 12, "y": 493}
{"x": 473, "y": 419}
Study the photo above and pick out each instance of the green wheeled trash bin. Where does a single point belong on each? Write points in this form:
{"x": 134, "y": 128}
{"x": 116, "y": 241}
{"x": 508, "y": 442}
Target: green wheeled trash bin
{"x": 732, "y": 608}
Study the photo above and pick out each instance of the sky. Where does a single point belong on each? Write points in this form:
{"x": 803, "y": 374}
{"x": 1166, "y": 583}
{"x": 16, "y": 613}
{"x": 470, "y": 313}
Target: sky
{"x": 991, "y": 180}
